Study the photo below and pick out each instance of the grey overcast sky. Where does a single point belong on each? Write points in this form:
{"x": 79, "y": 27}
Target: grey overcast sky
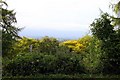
{"x": 57, "y": 18}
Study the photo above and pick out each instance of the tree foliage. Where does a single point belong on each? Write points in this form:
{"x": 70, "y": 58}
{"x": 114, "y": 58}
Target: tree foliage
{"x": 116, "y": 9}
{"x": 110, "y": 46}
{"x": 48, "y": 45}
{"x": 92, "y": 57}
{"x": 9, "y": 31}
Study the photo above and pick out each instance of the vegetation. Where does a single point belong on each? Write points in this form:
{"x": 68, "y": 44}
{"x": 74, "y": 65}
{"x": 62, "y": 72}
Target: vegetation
{"x": 74, "y": 46}
{"x": 105, "y": 32}
{"x": 9, "y": 31}
{"x": 62, "y": 76}
{"x": 89, "y": 56}
{"x": 41, "y": 63}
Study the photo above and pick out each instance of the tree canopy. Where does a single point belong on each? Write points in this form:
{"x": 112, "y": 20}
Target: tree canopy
{"x": 110, "y": 38}
{"x": 9, "y": 31}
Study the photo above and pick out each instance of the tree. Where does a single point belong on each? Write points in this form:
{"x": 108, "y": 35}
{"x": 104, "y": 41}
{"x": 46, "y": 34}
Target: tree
{"x": 110, "y": 42}
{"x": 116, "y": 20}
{"x": 48, "y": 45}
{"x": 92, "y": 55}
{"x": 117, "y": 7}
{"x": 9, "y": 31}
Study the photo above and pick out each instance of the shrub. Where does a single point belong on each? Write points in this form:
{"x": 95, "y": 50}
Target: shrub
{"x": 39, "y": 63}
{"x": 48, "y": 45}
{"x": 74, "y": 46}
{"x": 69, "y": 63}
{"x": 44, "y": 45}
{"x": 92, "y": 57}
{"x": 85, "y": 40}
{"x": 63, "y": 49}
{"x": 23, "y": 45}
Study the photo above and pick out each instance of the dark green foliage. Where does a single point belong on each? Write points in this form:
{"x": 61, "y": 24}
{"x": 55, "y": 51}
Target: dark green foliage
{"x": 101, "y": 28}
{"x": 48, "y": 45}
{"x": 63, "y": 49}
{"x": 61, "y": 77}
{"x": 9, "y": 31}
{"x": 69, "y": 63}
{"x": 39, "y": 63}
{"x": 110, "y": 43}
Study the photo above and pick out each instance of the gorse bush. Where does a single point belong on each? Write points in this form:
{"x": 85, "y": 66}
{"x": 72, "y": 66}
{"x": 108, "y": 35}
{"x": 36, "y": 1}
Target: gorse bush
{"x": 74, "y": 46}
{"x": 23, "y": 45}
{"x": 41, "y": 63}
{"x": 46, "y": 44}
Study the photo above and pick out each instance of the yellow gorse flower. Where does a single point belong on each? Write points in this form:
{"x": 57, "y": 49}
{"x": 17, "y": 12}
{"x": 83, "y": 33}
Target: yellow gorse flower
{"x": 74, "y": 45}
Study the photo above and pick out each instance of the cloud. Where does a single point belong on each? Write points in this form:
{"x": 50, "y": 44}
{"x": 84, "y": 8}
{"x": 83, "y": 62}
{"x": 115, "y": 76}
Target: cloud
{"x": 57, "y": 15}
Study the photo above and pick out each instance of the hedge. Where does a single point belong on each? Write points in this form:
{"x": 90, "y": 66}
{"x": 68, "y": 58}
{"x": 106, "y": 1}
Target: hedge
{"x": 38, "y": 63}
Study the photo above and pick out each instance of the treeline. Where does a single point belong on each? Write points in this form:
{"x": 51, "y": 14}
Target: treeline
{"x": 48, "y": 55}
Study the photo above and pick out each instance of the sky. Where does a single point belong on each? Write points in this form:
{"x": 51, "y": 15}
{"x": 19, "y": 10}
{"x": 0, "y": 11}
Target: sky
{"x": 57, "y": 18}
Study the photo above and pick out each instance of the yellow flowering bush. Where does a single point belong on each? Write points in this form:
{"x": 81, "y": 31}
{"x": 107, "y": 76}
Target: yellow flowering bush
{"x": 74, "y": 46}
{"x": 85, "y": 40}
{"x": 23, "y": 45}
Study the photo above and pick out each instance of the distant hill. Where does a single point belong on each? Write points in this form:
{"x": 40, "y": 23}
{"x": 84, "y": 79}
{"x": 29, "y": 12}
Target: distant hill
{"x": 60, "y": 35}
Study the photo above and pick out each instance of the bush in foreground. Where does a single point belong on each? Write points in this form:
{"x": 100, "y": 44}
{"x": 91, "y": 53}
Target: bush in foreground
{"x": 39, "y": 63}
